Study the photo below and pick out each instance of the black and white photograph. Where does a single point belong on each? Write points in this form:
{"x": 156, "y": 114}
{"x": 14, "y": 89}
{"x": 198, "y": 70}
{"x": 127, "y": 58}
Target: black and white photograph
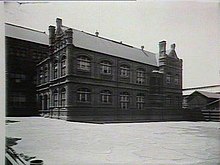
{"x": 111, "y": 82}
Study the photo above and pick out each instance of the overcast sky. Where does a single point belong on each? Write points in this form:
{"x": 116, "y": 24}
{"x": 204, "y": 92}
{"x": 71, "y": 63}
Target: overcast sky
{"x": 193, "y": 26}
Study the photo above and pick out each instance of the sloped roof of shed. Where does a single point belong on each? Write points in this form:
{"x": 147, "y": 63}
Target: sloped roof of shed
{"x": 210, "y": 94}
{"x": 95, "y": 43}
{"x": 23, "y": 33}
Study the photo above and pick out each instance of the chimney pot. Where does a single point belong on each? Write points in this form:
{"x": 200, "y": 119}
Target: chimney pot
{"x": 142, "y": 47}
{"x": 96, "y": 33}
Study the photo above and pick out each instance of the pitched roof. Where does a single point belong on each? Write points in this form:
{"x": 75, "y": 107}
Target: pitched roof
{"x": 23, "y": 33}
{"x": 95, "y": 43}
{"x": 209, "y": 94}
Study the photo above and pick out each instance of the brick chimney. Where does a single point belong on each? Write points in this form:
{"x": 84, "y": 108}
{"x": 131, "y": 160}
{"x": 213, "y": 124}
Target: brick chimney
{"x": 162, "y": 48}
{"x": 59, "y": 22}
{"x": 51, "y": 34}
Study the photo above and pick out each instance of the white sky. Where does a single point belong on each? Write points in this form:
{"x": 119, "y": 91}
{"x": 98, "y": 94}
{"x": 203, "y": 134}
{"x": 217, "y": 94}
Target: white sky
{"x": 193, "y": 26}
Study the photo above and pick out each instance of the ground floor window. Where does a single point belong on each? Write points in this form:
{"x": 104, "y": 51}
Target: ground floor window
{"x": 106, "y": 96}
{"x": 124, "y": 100}
{"x": 140, "y": 101}
{"x": 63, "y": 97}
{"x": 83, "y": 95}
{"x": 55, "y": 96}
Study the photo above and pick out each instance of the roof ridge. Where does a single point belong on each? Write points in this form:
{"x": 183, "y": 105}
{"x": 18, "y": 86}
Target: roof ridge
{"x": 19, "y": 26}
{"x": 114, "y": 41}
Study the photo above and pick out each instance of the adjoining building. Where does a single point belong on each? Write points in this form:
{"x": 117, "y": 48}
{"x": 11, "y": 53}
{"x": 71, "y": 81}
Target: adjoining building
{"x": 91, "y": 78}
{"x": 203, "y": 105}
{"x": 24, "y": 49}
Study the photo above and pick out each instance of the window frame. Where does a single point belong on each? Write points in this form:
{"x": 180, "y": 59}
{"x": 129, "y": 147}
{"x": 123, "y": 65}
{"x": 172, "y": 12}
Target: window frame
{"x": 124, "y": 100}
{"x": 83, "y": 95}
{"x": 124, "y": 71}
{"x": 106, "y": 67}
{"x": 84, "y": 63}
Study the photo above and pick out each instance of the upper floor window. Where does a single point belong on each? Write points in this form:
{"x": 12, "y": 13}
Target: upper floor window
{"x": 41, "y": 75}
{"x": 168, "y": 78}
{"x": 83, "y": 63}
{"x": 84, "y": 95}
{"x": 106, "y": 96}
{"x": 63, "y": 97}
{"x": 55, "y": 69}
{"x": 46, "y": 73}
{"x": 17, "y": 77}
{"x": 124, "y": 71}
{"x": 106, "y": 67}
{"x": 140, "y": 76}
{"x": 63, "y": 66}
{"x": 176, "y": 80}
{"x": 140, "y": 101}
{"x": 124, "y": 100}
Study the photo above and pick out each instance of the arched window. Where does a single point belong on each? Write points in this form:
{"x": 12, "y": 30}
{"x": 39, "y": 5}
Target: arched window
{"x": 140, "y": 101}
{"x": 63, "y": 66}
{"x": 83, "y": 63}
{"x": 55, "y": 69}
{"x": 124, "y": 100}
{"x": 106, "y": 67}
{"x": 106, "y": 96}
{"x": 55, "y": 98}
{"x": 140, "y": 76}
{"x": 84, "y": 95}
{"x": 168, "y": 78}
{"x": 63, "y": 97}
{"x": 124, "y": 71}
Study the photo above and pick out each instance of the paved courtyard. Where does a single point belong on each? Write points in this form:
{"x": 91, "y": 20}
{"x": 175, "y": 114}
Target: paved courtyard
{"x": 60, "y": 142}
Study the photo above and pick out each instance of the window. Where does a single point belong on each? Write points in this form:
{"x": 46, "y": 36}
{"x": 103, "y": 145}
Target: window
{"x": 176, "y": 80}
{"x": 83, "y": 63}
{"x": 106, "y": 96}
{"x": 41, "y": 76}
{"x": 140, "y": 76}
{"x": 168, "y": 100}
{"x": 55, "y": 69}
{"x": 124, "y": 71}
{"x": 17, "y": 99}
{"x": 63, "y": 97}
{"x": 140, "y": 101}
{"x": 106, "y": 67}
{"x": 17, "y": 77}
{"x": 55, "y": 98}
{"x": 46, "y": 73}
{"x": 63, "y": 66}
{"x": 83, "y": 95}
{"x": 124, "y": 100}
{"x": 168, "y": 78}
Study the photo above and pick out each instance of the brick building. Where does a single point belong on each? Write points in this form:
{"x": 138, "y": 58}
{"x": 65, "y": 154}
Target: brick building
{"x": 24, "y": 49}
{"x": 90, "y": 78}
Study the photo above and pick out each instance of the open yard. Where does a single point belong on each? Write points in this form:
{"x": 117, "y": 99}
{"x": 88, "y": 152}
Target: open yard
{"x": 59, "y": 142}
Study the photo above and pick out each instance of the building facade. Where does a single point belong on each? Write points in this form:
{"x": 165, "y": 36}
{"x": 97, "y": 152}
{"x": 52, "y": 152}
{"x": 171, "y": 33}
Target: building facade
{"x": 90, "y": 78}
{"x": 24, "y": 49}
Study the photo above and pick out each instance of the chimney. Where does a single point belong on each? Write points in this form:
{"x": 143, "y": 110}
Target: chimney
{"x": 142, "y": 47}
{"x": 69, "y": 34}
{"x": 173, "y": 46}
{"x": 51, "y": 34}
{"x": 59, "y": 22}
{"x": 162, "y": 47}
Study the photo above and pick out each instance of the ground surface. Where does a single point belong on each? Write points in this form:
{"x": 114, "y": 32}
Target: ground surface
{"x": 60, "y": 142}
